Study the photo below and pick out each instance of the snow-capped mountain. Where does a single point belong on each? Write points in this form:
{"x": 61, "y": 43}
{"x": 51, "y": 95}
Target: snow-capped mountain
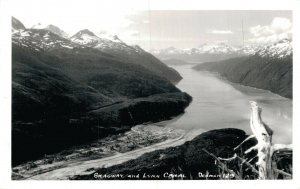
{"x": 222, "y": 51}
{"x": 41, "y": 40}
{"x": 281, "y": 49}
{"x": 105, "y": 35}
{"x": 204, "y": 53}
{"x": 249, "y": 49}
{"x": 220, "y": 48}
{"x": 45, "y": 37}
{"x": 105, "y": 42}
{"x": 39, "y": 26}
{"x": 57, "y": 31}
{"x": 85, "y": 37}
{"x": 48, "y": 39}
{"x": 52, "y": 28}
{"x": 270, "y": 68}
{"x": 16, "y": 25}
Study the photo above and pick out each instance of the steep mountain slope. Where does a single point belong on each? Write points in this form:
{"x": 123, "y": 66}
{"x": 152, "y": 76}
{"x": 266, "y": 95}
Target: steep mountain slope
{"x": 57, "y": 31}
{"x": 64, "y": 93}
{"x": 54, "y": 29}
{"x": 16, "y": 24}
{"x": 129, "y": 54}
{"x": 205, "y": 52}
{"x": 279, "y": 50}
{"x": 270, "y": 68}
{"x": 41, "y": 40}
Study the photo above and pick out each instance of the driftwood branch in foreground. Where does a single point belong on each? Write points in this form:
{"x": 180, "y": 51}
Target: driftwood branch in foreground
{"x": 265, "y": 149}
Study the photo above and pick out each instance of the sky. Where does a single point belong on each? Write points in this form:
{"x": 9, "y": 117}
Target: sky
{"x": 157, "y": 29}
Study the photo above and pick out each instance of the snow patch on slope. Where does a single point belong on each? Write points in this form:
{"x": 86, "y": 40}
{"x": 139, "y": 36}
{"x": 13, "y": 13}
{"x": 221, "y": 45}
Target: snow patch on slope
{"x": 280, "y": 49}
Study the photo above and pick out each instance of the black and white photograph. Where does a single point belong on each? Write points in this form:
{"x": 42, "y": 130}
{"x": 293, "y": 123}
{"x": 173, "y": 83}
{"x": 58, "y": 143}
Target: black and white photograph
{"x": 117, "y": 92}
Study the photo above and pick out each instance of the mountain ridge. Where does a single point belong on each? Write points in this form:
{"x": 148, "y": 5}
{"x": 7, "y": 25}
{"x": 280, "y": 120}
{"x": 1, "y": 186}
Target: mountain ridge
{"x": 65, "y": 93}
{"x": 206, "y": 52}
{"x": 86, "y": 39}
{"x": 270, "y": 68}
{"x": 17, "y": 25}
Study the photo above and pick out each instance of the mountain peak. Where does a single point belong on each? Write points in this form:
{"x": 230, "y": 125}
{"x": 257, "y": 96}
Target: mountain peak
{"x": 17, "y": 24}
{"x": 52, "y": 28}
{"x": 39, "y": 26}
{"x": 115, "y": 37}
{"x": 85, "y": 31}
{"x": 106, "y": 36}
{"x": 85, "y": 37}
{"x": 280, "y": 49}
{"x": 57, "y": 31}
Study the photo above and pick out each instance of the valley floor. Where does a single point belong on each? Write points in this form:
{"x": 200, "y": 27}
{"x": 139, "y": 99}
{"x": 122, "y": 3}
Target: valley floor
{"x": 101, "y": 153}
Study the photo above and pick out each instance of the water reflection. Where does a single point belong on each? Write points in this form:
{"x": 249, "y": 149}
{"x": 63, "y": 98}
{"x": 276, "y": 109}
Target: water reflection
{"x": 219, "y": 104}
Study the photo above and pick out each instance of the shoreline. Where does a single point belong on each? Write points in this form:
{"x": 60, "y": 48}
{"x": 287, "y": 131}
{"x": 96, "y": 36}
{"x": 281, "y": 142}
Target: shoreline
{"x": 160, "y": 137}
{"x": 218, "y": 75}
{"x": 85, "y": 166}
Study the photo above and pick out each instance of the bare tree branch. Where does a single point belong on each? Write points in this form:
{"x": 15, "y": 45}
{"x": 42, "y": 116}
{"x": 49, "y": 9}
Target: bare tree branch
{"x": 251, "y": 149}
{"x": 248, "y": 138}
{"x": 283, "y": 173}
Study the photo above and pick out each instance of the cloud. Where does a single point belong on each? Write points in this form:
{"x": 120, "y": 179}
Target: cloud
{"x": 133, "y": 33}
{"x": 129, "y": 35}
{"x": 281, "y": 24}
{"x": 271, "y": 39}
{"x": 220, "y": 32}
{"x": 259, "y": 31}
{"x": 280, "y": 28}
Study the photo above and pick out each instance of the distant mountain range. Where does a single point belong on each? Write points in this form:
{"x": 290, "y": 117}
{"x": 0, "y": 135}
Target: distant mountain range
{"x": 270, "y": 68}
{"x": 278, "y": 50}
{"x": 70, "y": 90}
{"x": 267, "y": 67}
{"x": 206, "y": 52}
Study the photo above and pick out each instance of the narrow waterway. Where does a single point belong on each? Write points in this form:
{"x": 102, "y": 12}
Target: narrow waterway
{"x": 218, "y": 103}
